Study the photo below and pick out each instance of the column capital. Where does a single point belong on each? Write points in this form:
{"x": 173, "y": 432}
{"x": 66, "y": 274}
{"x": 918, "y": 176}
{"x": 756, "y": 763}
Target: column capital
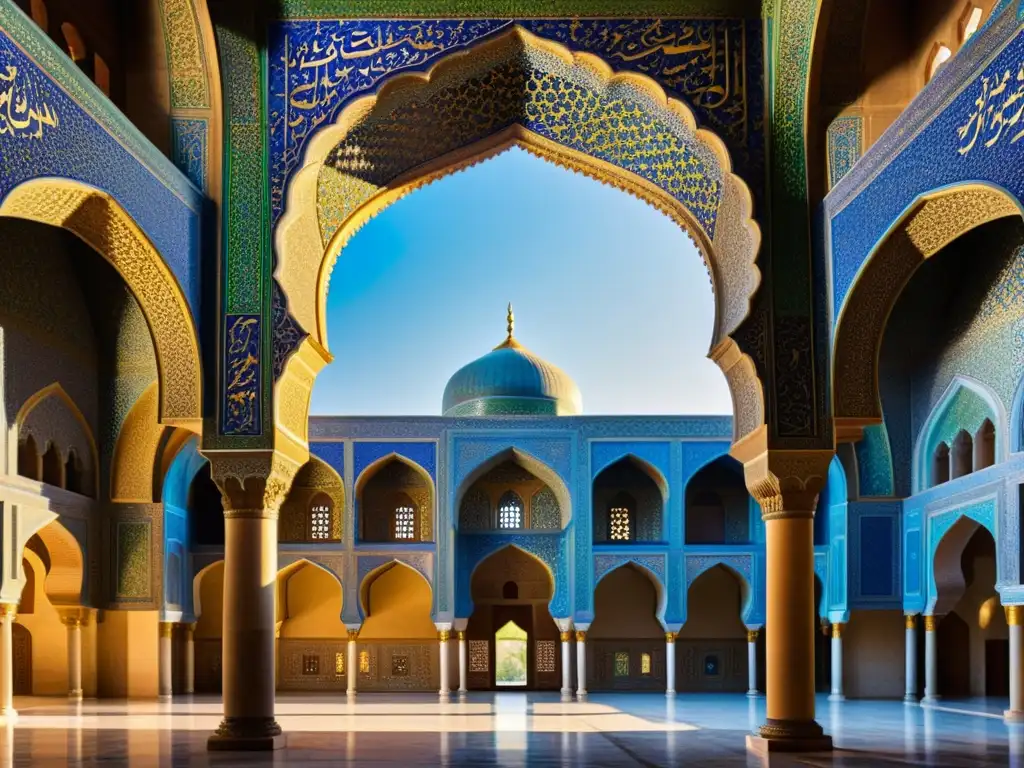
{"x": 460, "y": 635}
{"x": 910, "y": 620}
{"x": 166, "y": 629}
{"x": 252, "y": 483}
{"x": 931, "y": 622}
{"x": 8, "y": 610}
{"x": 670, "y": 637}
{"x": 785, "y": 483}
{"x": 837, "y": 630}
{"x": 76, "y": 616}
{"x": 353, "y": 635}
{"x": 581, "y": 636}
{"x": 752, "y": 635}
{"x": 565, "y": 636}
{"x": 443, "y": 635}
{"x": 1014, "y": 615}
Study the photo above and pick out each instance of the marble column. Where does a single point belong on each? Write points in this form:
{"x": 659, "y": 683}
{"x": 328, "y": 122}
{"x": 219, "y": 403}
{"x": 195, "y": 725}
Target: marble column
{"x": 752, "y": 663}
{"x": 786, "y": 485}
{"x": 166, "y": 660}
{"x": 931, "y": 659}
{"x": 910, "y": 694}
{"x": 189, "y": 631}
{"x": 837, "y": 662}
{"x": 7, "y": 613}
{"x": 74, "y": 625}
{"x": 252, "y": 485}
{"x": 463, "y": 665}
{"x": 566, "y": 637}
{"x": 1015, "y": 623}
{"x": 442, "y": 644}
{"x": 352, "y": 662}
{"x": 581, "y": 664}
{"x": 670, "y": 663}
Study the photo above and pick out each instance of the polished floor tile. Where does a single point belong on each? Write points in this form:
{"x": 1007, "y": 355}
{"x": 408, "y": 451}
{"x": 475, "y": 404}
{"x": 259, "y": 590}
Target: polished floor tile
{"x": 507, "y": 729}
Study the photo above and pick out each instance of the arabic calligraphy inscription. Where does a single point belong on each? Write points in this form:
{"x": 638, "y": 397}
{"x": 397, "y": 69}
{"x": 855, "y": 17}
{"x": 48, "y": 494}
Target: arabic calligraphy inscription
{"x": 997, "y": 112}
{"x": 24, "y": 112}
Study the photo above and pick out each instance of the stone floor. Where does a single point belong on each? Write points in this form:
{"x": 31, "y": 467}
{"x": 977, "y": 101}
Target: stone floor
{"x": 507, "y": 729}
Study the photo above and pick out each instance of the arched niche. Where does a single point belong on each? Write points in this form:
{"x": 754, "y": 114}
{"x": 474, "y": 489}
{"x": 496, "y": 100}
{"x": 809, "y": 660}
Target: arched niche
{"x": 949, "y": 577}
{"x": 314, "y": 507}
{"x": 528, "y": 81}
{"x": 51, "y": 419}
{"x": 543, "y": 497}
{"x": 395, "y": 502}
{"x": 309, "y": 602}
{"x": 717, "y": 507}
{"x": 626, "y": 640}
{"x": 628, "y": 502}
{"x": 961, "y": 455}
{"x": 712, "y": 642}
{"x": 984, "y": 446}
{"x": 53, "y": 466}
{"x": 28, "y": 459}
{"x": 494, "y": 609}
{"x": 62, "y": 559}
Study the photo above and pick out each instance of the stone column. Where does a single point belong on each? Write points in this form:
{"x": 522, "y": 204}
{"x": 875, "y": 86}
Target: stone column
{"x": 837, "y": 662}
{"x": 166, "y": 659}
{"x": 1015, "y": 622}
{"x": 352, "y": 662}
{"x": 189, "y": 631}
{"x": 253, "y": 485}
{"x": 910, "y": 694}
{"x": 442, "y": 644}
{"x": 566, "y": 637}
{"x": 581, "y": 663}
{"x": 931, "y": 660}
{"x": 752, "y": 663}
{"x": 786, "y": 484}
{"x": 670, "y": 663}
{"x": 74, "y": 625}
{"x": 463, "y": 665}
{"x": 7, "y": 613}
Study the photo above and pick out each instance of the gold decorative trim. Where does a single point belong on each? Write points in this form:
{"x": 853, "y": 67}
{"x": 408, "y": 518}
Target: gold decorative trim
{"x": 565, "y": 636}
{"x": 101, "y": 222}
{"x": 8, "y": 610}
{"x": 910, "y": 621}
{"x": 581, "y": 636}
{"x": 837, "y": 630}
{"x": 166, "y": 629}
{"x": 1014, "y": 615}
{"x": 931, "y": 622}
{"x": 443, "y": 635}
{"x": 751, "y": 635}
{"x": 785, "y": 483}
{"x": 353, "y": 635}
{"x": 670, "y": 637}
{"x": 461, "y": 636}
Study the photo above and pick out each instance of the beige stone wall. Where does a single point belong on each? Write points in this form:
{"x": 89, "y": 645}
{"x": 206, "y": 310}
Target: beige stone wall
{"x": 874, "y": 648}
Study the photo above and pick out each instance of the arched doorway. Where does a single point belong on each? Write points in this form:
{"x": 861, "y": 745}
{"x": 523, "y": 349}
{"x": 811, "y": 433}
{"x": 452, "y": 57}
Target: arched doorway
{"x": 511, "y": 624}
{"x": 628, "y": 503}
{"x": 973, "y": 647}
{"x": 711, "y": 647}
{"x": 718, "y": 505}
{"x": 311, "y": 646}
{"x": 626, "y": 641}
{"x": 398, "y": 644}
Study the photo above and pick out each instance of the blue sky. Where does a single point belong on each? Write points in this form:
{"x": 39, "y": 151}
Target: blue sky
{"x": 603, "y": 286}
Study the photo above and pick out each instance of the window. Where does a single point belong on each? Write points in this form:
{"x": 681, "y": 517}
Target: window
{"x": 39, "y": 14}
{"x": 510, "y": 591}
{"x": 941, "y": 55}
{"x": 339, "y": 664}
{"x": 940, "y": 464}
{"x": 621, "y": 668}
{"x": 405, "y": 523}
{"x": 546, "y": 656}
{"x": 510, "y": 511}
{"x": 621, "y": 518}
{"x": 310, "y": 665}
{"x": 479, "y": 656}
{"x": 321, "y": 507}
{"x": 399, "y": 666}
{"x": 645, "y": 663}
{"x": 75, "y": 45}
{"x": 364, "y": 662}
{"x": 970, "y": 21}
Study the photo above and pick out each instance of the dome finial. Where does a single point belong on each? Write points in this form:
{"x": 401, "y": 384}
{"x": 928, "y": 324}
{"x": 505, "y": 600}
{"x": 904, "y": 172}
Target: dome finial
{"x": 511, "y": 321}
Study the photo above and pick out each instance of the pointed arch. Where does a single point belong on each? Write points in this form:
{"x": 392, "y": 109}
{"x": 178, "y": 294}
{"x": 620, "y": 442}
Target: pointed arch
{"x": 99, "y": 220}
{"x": 487, "y": 547}
{"x": 424, "y": 507}
{"x": 632, "y": 484}
{"x": 294, "y": 563}
{"x": 947, "y": 582}
{"x": 531, "y": 464}
{"x": 367, "y": 582}
{"x": 135, "y": 450}
{"x": 296, "y": 568}
{"x": 65, "y": 576}
{"x": 89, "y": 453}
{"x": 747, "y": 596}
{"x": 197, "y": 584}
{"x": 659, "y": 587}
{"x": 644, "y": 466}
{"x": 980, "y": 403}
{"x": 316, "y": 500}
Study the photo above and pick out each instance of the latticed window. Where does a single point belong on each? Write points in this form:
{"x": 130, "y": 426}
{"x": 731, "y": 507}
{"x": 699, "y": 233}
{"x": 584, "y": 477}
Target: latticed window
{"x": 339, "y": 664}
{"x": 621, "y": 664}
{"x": 510, "y": 511}
{"x": 621, "y": 518}
{"x": 645, "y": 663}
{"x": 405, "y": 523}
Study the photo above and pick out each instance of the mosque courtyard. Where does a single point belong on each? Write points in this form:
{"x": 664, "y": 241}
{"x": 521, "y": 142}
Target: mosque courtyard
{"x": 508, "y": 729}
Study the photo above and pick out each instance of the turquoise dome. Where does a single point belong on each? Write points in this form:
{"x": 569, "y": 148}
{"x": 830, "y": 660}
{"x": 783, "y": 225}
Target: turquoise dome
{"x": 511, "y": 381}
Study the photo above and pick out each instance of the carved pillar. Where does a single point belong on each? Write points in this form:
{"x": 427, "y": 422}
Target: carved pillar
{"x": 443, "y": 635}
{"x": 74, "y": 624}
{"x": 253, "y": 485}
{"x": 352, "y": 676}
{"x": 566, "y": 637}
{"x": 189, "y": 660}
{"x": 752, "y": 662}
{"x": 1015, "y": 622}
{"x": 786, "y": 484}
{"x": 7, "y": 613}
{"x": 931, "y": 660}
{"x": 165, "y": 658}
{"x": 837, "y": 663}
{"x": 581, "y": 663}
{"x": 670, "y": 663}
{"x": 463, "y": 666}
{"x": 910, "y": 695}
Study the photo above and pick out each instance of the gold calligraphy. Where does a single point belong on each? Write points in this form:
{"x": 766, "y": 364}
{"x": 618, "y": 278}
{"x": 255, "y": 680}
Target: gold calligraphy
{"x": 997, "y": 112}
{"x": 22, "y": 116}
{"x": 242, "y": 375}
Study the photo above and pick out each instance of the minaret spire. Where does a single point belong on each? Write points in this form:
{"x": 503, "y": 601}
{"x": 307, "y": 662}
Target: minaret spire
{"x": 511, "y": 321}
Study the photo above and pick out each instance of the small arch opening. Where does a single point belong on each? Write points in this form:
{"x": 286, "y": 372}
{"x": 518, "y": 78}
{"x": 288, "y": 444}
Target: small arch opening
{"x": 73, "y": 473}
{"x": 510, "y": 591}
{"x": 939, "y": 57}
{"x": 28, "y": 458}
{"x": 970, "y": 21}
{"x": 962, "y": 455}
{"x": 53, "y": 467}
{"x": 940, "y": 464}
{"x": 985, "y": 445}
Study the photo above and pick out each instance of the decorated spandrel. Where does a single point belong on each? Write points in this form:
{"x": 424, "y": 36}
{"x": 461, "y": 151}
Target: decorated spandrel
{"x": 317, "y": 66}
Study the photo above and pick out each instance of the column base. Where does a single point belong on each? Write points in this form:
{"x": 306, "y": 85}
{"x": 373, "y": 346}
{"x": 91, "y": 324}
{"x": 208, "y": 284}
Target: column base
{"x": 1013, "y": 716}
{"x": 911, "y": 698}
{"x": 670, "y": 694}
{"x": 463, "y": 695}
{"x": 836, "y": 697}
{"x": 931, "y": 699}
{"x": 9, "y": 715}
{"x": 566, "y": 694}
{"x": 753, "y": 693}
{"x": 350, "y": 694}
{"x": 789, "y": 736}
{"x": 581, "y": 695}
{"x": 246, "y": 734}
{"x": 444, "y": 695}
{"x": 165, "y": 696}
